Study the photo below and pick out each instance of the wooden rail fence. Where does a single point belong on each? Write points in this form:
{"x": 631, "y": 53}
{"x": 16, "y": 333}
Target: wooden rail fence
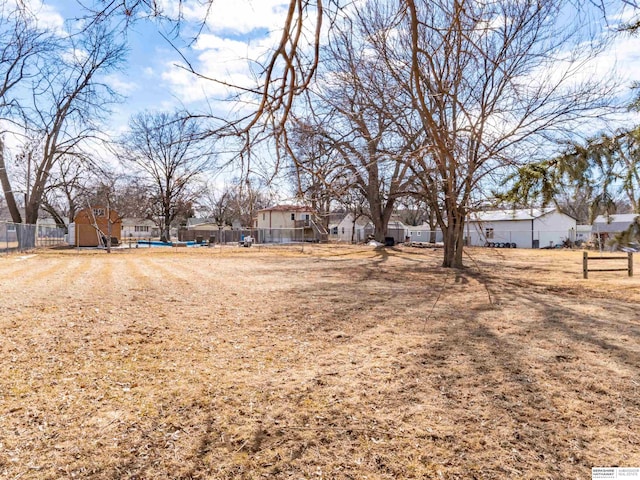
{"x": 586, "y": 259}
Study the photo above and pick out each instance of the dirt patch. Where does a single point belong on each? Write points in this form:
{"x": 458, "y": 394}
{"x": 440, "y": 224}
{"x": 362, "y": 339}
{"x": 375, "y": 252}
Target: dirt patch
{"x": 322, "y": 362}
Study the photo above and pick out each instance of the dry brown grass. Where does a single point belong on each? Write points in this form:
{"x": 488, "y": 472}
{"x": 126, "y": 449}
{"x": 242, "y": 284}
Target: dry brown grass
{"x": 334, "y": 362}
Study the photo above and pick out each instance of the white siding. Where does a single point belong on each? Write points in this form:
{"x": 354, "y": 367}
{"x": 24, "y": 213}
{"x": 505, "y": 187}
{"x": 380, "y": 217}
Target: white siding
{"x": 550, "y": 229}
{"x": 422, "y": 233}
{"x": 553, "y": 228}
{"x": 345, "y": 230}
{"x": 506, "y": 231}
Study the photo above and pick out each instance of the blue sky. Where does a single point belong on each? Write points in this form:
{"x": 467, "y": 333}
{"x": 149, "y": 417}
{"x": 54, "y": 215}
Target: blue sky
{"x": 236, "y": 30}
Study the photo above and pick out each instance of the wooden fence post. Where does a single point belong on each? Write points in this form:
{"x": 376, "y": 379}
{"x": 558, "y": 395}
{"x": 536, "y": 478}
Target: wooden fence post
{"x": 585, "y": 264}
{"x": 630, "y": 260}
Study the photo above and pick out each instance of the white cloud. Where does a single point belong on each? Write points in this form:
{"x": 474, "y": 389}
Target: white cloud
{"x": 238, "y": 16}
{"x": 120, "y": 84}
{"x": 46, "y": 15}
{"x": 239, "y": 37}
{"x": 49, "y": 18}
{"x": 228, "y": 61}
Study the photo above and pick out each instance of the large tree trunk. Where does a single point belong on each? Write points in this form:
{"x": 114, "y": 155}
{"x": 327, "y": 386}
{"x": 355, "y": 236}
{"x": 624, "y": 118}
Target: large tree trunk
{"x": 380, "y": 228}
{"x": 453, "y": 240}
{"x": 433, "y": 224}
{"x": 6, "y": 188}
{"x": 380, "y": 215}
{"x": 26, "y": 234}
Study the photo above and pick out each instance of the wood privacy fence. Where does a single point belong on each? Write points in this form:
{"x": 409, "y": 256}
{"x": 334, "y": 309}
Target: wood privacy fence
{"x": 586, "y": 259}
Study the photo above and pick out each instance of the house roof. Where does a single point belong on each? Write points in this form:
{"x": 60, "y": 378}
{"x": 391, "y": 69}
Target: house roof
{"x": 361, "y": 221}
{"x": 613, "y": 223}
{"x": 396, "y": 224}
{"x": 198, "y": 221}
{"x": 287, "y": 208}
{"x": 425, "y": 227}
{"x": 133, "y": 221}
{"x": 511, "y": 215}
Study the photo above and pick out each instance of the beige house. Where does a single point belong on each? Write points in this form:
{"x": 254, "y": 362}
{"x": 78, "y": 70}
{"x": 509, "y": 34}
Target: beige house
{"x": 284, "y": 216}
{"x": 288, "y": 223}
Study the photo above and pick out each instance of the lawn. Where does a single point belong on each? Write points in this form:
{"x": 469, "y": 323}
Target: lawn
{"x": 323, "y": 362}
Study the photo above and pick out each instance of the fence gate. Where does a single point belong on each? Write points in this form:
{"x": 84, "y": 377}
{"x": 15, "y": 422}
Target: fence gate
{"x": 586, "y": 259}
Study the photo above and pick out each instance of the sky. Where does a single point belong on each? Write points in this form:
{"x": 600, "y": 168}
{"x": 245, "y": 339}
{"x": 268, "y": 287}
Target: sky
{"x": 152, "y": 78}
{"x": 236, "y": 30}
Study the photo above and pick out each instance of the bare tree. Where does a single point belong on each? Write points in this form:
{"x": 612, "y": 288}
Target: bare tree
{"x": 359, "y": 113}
{"x": 218, "y": 204}
{"x": 248, "y": 198}
{"x": 167, "y": 151}
{"x": 22, "y": 43}
{"x": 67, "y": 100}
{"x": 235, "y": 202}
{"x": 317, "y": 169}
{"x": 492, "y": 85}
{"x": 68, "y": 183}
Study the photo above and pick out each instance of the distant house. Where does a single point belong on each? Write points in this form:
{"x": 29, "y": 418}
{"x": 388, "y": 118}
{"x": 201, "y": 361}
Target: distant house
{"x": 136, "y": 228}
{"x": 424, "y": 234}
{"x": 8, "y": 234}
{"x": 583, "y": 233}
{"x": 288, "y": 223}
{"x": 349, "y": 231}
{"x": 201, "y": 223}
{"x": 606, "y": 227}
{"x": 91, "y": 227}
{"x": 50, "y": 223}
{"x": 526, "y": 228}
{"x": 395, "y": 229}
{"x": 47, "y": 232}
{"x": 283, "y": 216}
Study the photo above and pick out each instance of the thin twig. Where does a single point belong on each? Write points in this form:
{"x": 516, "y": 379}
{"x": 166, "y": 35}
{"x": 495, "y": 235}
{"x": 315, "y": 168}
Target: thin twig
{"x": 444, "y": 284}
{"x": 486, "y": 286}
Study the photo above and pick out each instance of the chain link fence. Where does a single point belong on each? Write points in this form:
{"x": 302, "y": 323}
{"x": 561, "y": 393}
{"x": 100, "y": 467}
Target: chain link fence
{"x": 280, "y": 236}
{"x": 21, "y": 237}
{"x": 495, "y": 238}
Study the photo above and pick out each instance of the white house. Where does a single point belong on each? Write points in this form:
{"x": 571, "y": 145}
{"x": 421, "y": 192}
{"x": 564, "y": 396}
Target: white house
{"x": 136, "y": 228}
{"x": 526, "y": 228}
{"x": 348, "y": 231}
{"x": 583, "y": 233}
{"x": 395, "y": 228}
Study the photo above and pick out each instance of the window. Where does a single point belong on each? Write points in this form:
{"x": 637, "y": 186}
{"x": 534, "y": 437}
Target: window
{"x": 11, "y": 227}
{"x": 489, "y": 232}
{"x": 264, "y": 216}
{"x": 306, "y": 217}
{"x": 334, "y": 231}
{"x": 98, "y": 212}
{"x": 142, "y": 228}
{"x": 418, "y": 234}
{"x": 293, "y": 216}
{"x": 343, "y": 230}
